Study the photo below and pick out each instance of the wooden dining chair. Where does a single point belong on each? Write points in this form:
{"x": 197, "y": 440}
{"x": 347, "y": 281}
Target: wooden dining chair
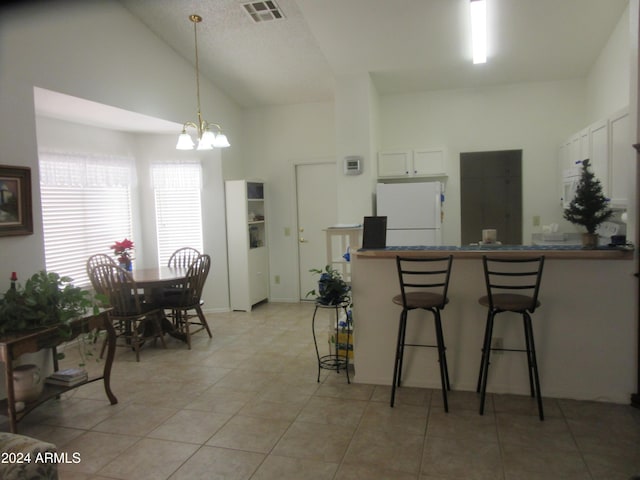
{"x": 185, "y": 304}
{"x": 95, "y": 260}
{"x": 183, "y": 257}
{"x": 133, "y": 320}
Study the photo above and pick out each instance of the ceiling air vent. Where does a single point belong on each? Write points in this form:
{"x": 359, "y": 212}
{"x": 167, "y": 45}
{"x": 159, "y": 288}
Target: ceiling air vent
{"x": 263, "y": 11}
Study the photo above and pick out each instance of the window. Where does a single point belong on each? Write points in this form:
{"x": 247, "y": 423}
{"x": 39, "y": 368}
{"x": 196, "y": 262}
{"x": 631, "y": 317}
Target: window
{"x": 86, "y": 207}
{"x": 177, "y": 189}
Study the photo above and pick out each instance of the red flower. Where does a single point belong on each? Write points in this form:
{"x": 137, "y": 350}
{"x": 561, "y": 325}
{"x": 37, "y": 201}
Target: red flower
{"x": 122, "y": 248}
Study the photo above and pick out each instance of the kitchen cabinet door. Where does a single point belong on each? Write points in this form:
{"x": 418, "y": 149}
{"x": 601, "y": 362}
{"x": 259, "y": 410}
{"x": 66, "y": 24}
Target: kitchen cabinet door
{"x": 622, "y": 159}
{"x": 429, "y": 162}
{"x": 579, "y": 149}
{"x": 394, "y": 164}
{"x": 599, "y": 153}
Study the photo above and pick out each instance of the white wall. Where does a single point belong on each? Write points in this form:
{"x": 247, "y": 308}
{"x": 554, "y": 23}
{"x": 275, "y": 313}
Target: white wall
{"x": 281, "y": 137}
{"x": 609, "y": 78}
{"x": 356, "y": 130}
{"x": 528, "y": 116}
{"x": 97, "y": 51}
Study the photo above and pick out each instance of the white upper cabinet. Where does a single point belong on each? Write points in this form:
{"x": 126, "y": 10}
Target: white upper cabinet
{"x": 423, "y": 162}
{"x": 394, "y": 164}
{"x": 608, "y": 146}
{"x": 622, "y": 159}
{"x": 579, "y": 147}
{"x": 599, "y": 153}
{"x": 429, "y": 162}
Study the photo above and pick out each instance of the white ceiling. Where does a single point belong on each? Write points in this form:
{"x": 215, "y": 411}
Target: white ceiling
{"x": 78, "y": 110}
{"x": 406, "y": 45}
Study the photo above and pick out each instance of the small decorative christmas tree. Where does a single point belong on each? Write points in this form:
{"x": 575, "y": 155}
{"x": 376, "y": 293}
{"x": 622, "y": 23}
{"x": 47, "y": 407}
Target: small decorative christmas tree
{"x": 589, "y": 207}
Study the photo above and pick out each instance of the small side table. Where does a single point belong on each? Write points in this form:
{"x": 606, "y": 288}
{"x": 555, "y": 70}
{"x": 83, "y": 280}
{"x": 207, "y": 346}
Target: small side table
{"x": 334, "y": 360}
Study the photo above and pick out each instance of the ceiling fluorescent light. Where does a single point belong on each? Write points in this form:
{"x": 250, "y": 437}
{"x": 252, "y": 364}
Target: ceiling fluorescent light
{"x": 479, "y": 30}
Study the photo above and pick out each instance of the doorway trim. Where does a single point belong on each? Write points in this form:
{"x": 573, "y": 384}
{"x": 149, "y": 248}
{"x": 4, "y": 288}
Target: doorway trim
{"x": 294, "y": 164}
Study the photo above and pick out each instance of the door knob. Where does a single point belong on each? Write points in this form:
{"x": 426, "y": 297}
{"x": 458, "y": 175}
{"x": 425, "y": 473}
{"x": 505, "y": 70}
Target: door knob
{"x": 302, "y": 240}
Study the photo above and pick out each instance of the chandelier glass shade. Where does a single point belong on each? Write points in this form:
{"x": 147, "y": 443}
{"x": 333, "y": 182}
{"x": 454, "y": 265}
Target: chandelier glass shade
{"x": 209, "y": 134}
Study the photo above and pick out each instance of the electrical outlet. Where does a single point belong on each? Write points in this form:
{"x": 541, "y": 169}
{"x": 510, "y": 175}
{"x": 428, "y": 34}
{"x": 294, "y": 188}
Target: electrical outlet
{"x": 536, "y": 220}
{"x": 497, "y": 343}
{"x": 276, "y": 279}
{"x": 287, "y": 231}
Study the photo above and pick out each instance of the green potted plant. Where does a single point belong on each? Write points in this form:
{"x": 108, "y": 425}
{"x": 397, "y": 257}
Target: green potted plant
{"x": 332, "y": 289}
{"x": 46, "y": 300}
{"x": 589, "y": 207}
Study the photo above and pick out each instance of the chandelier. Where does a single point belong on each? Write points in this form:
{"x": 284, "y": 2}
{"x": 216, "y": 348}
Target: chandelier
{"x": 207, "y": 139}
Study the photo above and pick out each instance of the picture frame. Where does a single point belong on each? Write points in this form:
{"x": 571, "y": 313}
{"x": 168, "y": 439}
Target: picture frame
{"x": 16, "y": 216}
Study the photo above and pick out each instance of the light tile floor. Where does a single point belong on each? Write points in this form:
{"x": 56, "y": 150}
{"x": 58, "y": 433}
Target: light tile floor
{"x": 246, "y": 405}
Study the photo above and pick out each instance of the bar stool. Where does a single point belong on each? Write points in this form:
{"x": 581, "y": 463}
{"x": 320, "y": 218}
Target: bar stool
{"x": 502, "y": 276}
{"x": 423, "y": 285}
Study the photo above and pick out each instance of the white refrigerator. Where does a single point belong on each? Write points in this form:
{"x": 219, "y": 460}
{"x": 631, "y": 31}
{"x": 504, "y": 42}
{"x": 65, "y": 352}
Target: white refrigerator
{"x": 412, "y": 211}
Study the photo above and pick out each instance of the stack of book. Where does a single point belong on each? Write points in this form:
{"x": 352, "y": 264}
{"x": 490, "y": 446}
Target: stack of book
{"x": 68, "y": 377}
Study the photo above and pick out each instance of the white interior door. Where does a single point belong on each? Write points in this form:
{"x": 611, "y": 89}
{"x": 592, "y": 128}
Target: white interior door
{"x": 317, "y": 209}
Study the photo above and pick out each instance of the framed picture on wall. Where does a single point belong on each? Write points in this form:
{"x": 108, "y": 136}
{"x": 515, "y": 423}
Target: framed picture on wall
{"x": 15, "y": 201}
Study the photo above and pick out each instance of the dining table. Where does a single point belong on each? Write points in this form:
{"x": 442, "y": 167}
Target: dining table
{"x": 153, "y": 281}
{"x": 157, "y": 278}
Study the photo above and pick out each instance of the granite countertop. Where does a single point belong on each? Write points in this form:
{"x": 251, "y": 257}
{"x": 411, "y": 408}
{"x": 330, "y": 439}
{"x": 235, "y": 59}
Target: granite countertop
{"x": 476, "y": 251}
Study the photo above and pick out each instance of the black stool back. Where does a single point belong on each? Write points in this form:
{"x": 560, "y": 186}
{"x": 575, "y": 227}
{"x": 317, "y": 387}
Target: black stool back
{"x": 424, "y": 284}
{"x": 512, "y": 285}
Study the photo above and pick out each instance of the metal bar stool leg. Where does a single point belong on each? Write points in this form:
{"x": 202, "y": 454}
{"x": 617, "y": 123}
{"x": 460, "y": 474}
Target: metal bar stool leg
{"x": 442, "y": 359}
{"x": 485, "y": 364}
{"x": 440, "y": 338}
{"x": 484, "y": 350}
{"x": 403, "y": 342}
{"x": 486, "y": 346}
{"x": 528, "y": 347}
{"x": 534, "y": 364}
{"x": 399, "y": 353}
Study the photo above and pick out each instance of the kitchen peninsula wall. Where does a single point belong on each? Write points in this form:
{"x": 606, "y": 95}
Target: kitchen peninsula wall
{"x": 585, "y": 342}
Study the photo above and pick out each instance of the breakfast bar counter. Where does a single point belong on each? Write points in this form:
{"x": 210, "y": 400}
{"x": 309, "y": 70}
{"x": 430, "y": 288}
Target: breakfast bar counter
{"x": 585, "y": 329}
{"x": 512, "y": 251}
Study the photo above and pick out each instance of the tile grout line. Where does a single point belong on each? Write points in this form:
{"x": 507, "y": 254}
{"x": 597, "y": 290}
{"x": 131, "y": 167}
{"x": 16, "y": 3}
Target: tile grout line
{"x": 353, "y": 434}
{"x": 426, "y": 432}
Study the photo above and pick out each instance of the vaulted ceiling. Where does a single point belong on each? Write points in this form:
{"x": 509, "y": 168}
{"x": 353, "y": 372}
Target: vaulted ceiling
{"x": 405, "y": 45}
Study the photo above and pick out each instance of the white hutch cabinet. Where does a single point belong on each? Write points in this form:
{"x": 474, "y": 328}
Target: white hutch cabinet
{"x": 246, "y": 243}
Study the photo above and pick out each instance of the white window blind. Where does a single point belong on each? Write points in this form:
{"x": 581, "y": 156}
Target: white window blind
{"x": 86, "y": 207}
{"x": 177, "y": 188}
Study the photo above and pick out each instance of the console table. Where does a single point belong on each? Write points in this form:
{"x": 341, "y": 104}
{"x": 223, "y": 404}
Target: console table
{"x": 14, "y": 345}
